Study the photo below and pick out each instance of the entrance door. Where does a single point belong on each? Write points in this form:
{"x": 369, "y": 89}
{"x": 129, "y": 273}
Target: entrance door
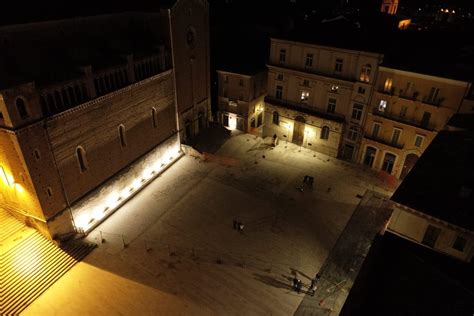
{"x": 240, "y": 123}
{"x": 348, "y": 152}
{"x": 298, "y": 130}
{"x": 410, "y": 161}
{"x": 369, "y": 156}
{"x": 225, "y": 120}
{"x": 388, "y": 162}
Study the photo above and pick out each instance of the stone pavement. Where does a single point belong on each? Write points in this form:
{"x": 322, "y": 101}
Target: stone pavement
{"x": 341, "y": 267}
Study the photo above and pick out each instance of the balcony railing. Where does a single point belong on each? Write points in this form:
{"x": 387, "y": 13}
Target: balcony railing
{"x": 306, "y": 108}
{"x": 403, "y": 119}
{"x": 313, "y": 71}
{"x": 413, "y": 96}
{"x": 384, "y": 141}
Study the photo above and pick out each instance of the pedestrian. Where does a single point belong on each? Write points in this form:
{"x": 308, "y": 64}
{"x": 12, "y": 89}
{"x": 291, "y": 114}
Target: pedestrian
{"x": 295, "y": 283}
{"x": 313, "y": 287}
{"x": 298, "y": 286}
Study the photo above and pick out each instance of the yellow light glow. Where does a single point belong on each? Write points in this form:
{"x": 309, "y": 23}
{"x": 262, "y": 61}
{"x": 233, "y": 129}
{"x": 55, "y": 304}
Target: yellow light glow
{"x": 94, "y": 211}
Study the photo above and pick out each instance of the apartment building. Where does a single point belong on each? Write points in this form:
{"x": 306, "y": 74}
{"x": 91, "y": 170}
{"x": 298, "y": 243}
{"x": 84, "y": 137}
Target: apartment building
{"x": 241, "y": 100}
{"x": 318, "y": 96}
{"x": 406, "y": 111}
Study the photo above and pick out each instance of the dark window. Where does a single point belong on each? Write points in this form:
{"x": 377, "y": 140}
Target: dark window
{"x": 153, "y": 118}
{"x": 276, "y": 118}
{"x": 369, "y": 156}
{"x": 282, "y": 55}
{"x": 325, "y": 133}
{"x": 241, "y": 82}
{"x": 309, "y": 60}
{"x": 431, "y": 235}
{"x": 357, "y": 111}
{"x": 338, "y": 65}
{"x": 361, "y": 90}
{"x": 279, "y": 92}
{"x": 81, "y": 159}
{"x": 37, "y": 154}
{"x": 123, "y": 141}
{"x": 49, "y": 192}
{"x": 459, "y": 243}
{"x": 425, "y": 120}
{"x": 21, "y": 107}
{"x": 332, "y": 105}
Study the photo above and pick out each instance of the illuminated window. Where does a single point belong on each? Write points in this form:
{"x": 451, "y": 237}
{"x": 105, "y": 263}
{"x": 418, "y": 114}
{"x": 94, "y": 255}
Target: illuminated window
{"x": 353, "y": 133}
{"x": 81, "y": 159}
{"x": 304, "y": 96}
{"x": 325, "y": 133}
{"x": 338, "y": 65}
{"x": 282, "y": 55}
{"x": 419, "y": 140}
{"x": 460, "y": 243}
{"x": 309, "y": 60}
{"x": 357, "y": 111}
{"x": 365, "y": 73}
{"x": 387, "y": 87}
{"x": 153, "y": 118}
{"x": 361, "y": 90}
{"x": 21, "y": 107}
{"x": 279, "y": 92}
{"x": 332, "y": 105}
{"x": 376, "y": 130}
{"x": 276, "y": 118}
{"x": 382, "y": 105}
{"x": 123, "y": 141}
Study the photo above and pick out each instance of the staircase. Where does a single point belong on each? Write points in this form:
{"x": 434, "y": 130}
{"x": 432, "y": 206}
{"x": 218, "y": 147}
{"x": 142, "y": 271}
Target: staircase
{"x": 30, "y": 263}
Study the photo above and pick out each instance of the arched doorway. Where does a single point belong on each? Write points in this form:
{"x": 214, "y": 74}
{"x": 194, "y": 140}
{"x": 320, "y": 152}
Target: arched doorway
{"x": 410, "y": 161}
{"x": 298, "y": 130}
{"x": 369, "y": 156}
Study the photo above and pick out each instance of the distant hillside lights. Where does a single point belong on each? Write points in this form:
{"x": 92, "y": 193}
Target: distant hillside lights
{"x": 93, "y": 212}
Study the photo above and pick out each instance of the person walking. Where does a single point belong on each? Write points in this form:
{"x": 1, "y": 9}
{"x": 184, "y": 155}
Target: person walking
{"x": 299, "y": 286}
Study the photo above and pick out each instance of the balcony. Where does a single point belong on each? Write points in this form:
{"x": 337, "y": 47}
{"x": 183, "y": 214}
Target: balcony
{"x": 310, "y": 70}
{"x": 306, "y": 108}
{"x": 433, "y": 101}
{"x": 403, "y": 119}
{"x": 384, "y": 141}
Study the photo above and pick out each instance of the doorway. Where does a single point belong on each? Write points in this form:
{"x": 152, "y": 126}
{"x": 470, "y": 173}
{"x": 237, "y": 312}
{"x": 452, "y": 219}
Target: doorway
{"x": 410, "y": 161}
{"x": 369, "y": 156}
{"x": 298, "y": 130}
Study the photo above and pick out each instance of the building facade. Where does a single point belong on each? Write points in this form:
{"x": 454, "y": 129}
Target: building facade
{"x": 93, "y": 113}
{"x": 321, "y": 94}
{"x": 241, "y": 100}
{"x": 406, "y": 111}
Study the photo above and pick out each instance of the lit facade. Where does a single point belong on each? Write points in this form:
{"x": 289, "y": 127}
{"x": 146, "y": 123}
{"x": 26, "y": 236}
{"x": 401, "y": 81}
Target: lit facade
{"x": 406, "y": 111}
{"x": 241, "y": 100}
{"x": 327, "y": 90}
{"x": 76, "y": 144}
{"x": 389, "y": 6}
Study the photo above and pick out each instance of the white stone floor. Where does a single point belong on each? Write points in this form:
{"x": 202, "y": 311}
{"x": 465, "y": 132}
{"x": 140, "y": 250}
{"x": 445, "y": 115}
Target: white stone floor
{"x": 181, "y": 254}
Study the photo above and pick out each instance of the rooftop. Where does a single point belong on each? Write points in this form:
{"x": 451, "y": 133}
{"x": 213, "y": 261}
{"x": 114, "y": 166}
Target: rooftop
{"x": 442, "y": 180}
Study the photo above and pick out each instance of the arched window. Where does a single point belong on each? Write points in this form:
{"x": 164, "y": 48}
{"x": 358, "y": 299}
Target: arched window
{"x": 123, "y": 140}
{"x": 81, "y": 159}
{"x": 365, "y": 73}
{"x": 20, "y": 105}
{"x": 276, "y": 118}
{"x": 154, "y": 118}
{"x": 325, "y": 133}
